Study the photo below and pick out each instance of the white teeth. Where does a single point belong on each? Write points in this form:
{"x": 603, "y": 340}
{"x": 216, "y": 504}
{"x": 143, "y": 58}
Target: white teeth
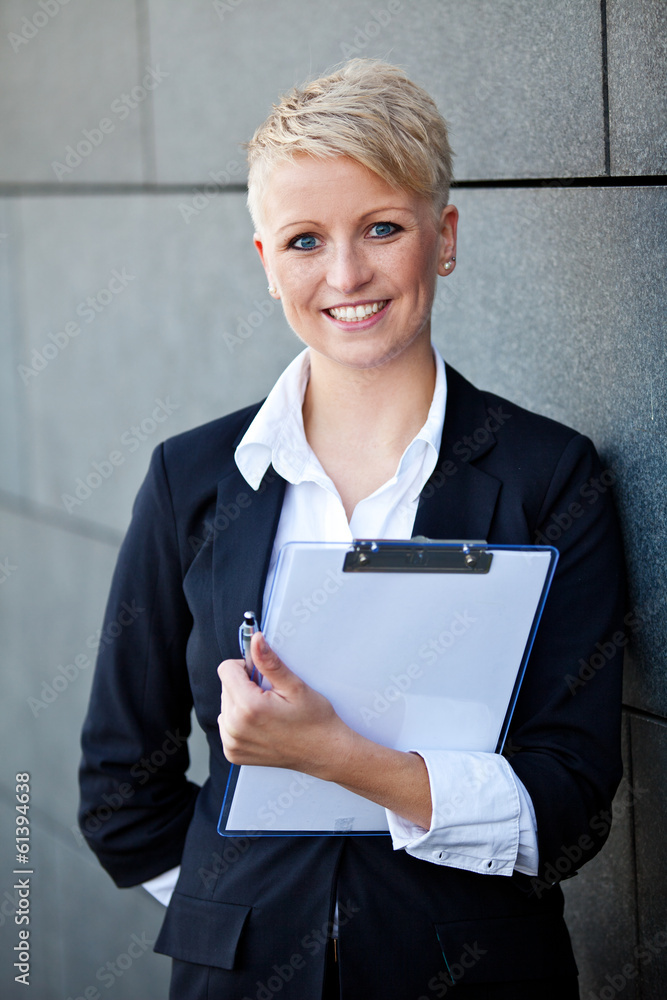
{"x": 352, "y": 313}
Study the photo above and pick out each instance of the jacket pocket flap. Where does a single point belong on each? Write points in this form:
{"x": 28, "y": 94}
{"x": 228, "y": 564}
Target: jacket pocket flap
{"x": 506, "y": 949}
{"x": 202, "y": 931}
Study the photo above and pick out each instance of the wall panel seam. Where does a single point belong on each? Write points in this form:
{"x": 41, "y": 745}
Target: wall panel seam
{"x": 605, "y": 88}
{"x": 47, "y": 189}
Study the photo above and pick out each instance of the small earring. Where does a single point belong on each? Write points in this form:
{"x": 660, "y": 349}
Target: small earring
{"x": 449, "y": 263}
{"x": 272, "y": 289}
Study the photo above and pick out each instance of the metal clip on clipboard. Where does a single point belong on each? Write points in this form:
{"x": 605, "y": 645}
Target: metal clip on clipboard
{"x": 420, "y": 555}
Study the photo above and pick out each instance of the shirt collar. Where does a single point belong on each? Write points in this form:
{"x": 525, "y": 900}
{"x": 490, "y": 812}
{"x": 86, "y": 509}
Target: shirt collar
{"x": 276, "y": 435}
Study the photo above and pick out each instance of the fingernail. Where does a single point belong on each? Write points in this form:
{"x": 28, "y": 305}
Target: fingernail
{"x": 264, "y": 646}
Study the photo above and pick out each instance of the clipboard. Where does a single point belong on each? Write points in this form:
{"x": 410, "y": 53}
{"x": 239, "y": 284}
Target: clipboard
{"x": 419, "y": 645}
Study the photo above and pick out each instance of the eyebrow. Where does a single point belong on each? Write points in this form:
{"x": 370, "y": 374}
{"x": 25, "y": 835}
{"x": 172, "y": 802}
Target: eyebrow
{"x": 373, "y": 211}
{"x": 305, "y": 222}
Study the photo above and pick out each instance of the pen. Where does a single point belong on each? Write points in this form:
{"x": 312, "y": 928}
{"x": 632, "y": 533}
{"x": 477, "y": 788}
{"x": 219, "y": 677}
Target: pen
{"x": 247, "y": 629}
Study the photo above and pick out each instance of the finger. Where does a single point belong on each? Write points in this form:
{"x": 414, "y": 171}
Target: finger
{"x": 233, "y": 677}
{"x": 239, "y": 697}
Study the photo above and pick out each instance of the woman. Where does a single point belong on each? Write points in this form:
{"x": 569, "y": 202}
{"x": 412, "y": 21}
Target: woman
{"x": 366, "y": 434}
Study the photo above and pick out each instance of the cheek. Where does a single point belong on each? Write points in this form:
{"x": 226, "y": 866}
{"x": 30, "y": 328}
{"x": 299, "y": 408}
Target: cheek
{"x": 414, "y": 262}
{"x": 427, "y": 253}
{"x": 418, "y": 278}
{"x": 296, "y": 281}
{"x": 297, "y": 304}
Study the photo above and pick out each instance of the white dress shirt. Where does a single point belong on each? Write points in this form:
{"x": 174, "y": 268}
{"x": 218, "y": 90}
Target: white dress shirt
{"x": 483, "y": 819}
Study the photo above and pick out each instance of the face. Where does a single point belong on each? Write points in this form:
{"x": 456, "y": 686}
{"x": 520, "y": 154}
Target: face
{"x": 354, "y": 260}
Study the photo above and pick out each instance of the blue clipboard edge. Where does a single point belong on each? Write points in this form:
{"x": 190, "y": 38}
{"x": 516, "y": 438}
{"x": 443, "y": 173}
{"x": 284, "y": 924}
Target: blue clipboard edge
{"x": 531, "y": 635}
{"x": 235, "y": 768}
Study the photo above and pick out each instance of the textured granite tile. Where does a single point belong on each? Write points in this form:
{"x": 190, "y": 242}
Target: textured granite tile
{"x": 62, "y": 73}
{"x": 649, "y": 765}
{"x": 521, "y": 82}
{"x": 79, "y": 922}
{"x": 558, "y": 303}
{"x": 191, "y": 325}
{"x": 51, "y": 609}
{"x": 11, "y": 398}
{"x": 637, "y": 53}
{"x": 600, "y": 903}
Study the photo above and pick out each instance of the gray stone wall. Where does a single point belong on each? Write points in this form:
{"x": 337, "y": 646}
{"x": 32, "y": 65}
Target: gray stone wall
{"x": 132, "y": 307}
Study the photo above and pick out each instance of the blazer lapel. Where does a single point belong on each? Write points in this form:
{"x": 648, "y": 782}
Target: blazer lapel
{"x": 459, "y": 499}
{"x": 245, "y": 526}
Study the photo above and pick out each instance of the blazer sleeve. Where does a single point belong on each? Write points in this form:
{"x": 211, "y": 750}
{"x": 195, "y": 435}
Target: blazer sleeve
{"x": 565, "y": 744}
{"x": 136, "y": 803}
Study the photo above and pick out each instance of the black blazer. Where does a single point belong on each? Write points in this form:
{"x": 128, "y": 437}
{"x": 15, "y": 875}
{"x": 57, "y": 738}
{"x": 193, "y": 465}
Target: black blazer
{"x": 195, "y": 557}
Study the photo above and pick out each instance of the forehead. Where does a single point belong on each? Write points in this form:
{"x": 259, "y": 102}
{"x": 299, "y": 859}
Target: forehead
{"x": 309, "y": 188}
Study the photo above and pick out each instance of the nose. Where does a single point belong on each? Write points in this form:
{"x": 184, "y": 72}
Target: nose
{"x": 349, "y": 269}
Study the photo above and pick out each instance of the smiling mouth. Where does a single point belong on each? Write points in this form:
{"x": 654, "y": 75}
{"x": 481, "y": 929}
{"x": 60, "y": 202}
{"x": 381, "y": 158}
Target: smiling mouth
{"x": 352, "y": 314}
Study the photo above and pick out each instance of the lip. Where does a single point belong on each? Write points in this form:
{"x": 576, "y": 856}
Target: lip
{"x": 359, "y": 324}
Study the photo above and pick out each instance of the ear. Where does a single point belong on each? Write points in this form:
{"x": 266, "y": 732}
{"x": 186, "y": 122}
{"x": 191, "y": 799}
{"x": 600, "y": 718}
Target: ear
{"x": 259, "y": 246}
{"x": 448, "y": 224}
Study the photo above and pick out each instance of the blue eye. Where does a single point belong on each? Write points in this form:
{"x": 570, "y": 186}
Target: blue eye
{"x": 383, "y": 229}
{"x": 305, "y": 242}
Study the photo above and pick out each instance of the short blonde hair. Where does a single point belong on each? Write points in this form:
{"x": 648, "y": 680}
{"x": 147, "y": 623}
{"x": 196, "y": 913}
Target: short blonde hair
{"x": 368, "y": 110}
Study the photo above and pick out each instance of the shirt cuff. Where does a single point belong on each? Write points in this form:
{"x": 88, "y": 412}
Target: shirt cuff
{"x": 482, "y": 821}
{"x": 162, "y": 886}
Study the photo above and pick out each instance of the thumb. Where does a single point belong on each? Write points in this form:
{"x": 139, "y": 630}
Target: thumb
{"x": 268, "y": 662}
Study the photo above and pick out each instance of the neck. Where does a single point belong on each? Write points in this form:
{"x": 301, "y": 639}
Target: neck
{"x": 394, "y": 397}
{"x": 359, "y": 422}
